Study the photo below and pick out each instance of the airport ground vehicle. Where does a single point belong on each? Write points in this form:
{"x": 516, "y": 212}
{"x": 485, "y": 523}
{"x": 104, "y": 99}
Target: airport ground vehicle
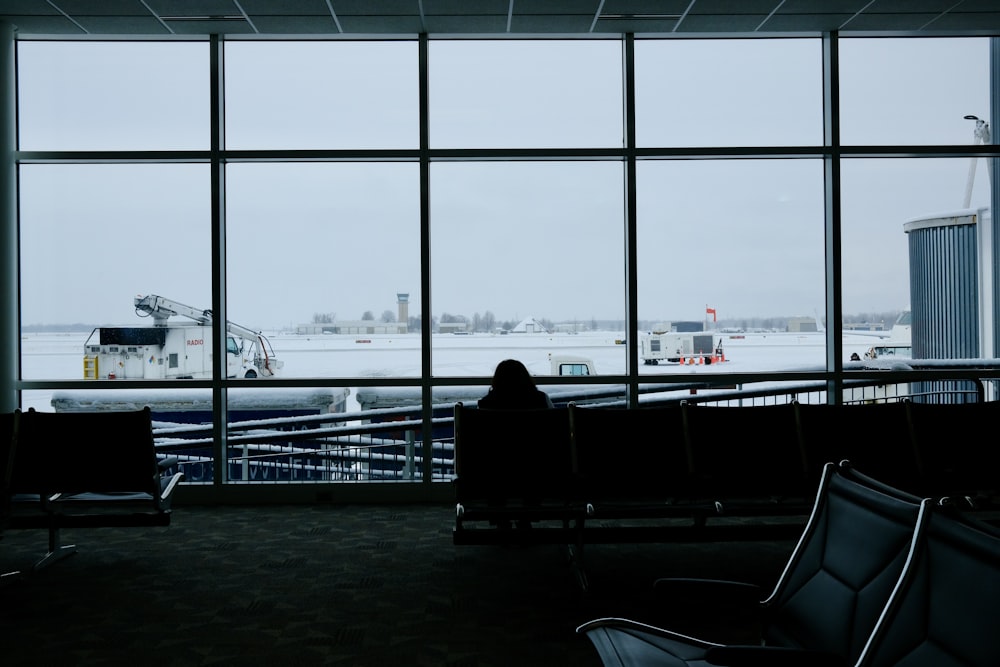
{"x": 165, "y": 351}
{"x": 679, "y": 347}
{"x": 570, "y": 365}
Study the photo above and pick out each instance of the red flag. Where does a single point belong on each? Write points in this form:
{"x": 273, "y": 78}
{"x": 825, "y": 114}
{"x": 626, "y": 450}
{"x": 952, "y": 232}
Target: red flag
{"x": 710, "y": 311}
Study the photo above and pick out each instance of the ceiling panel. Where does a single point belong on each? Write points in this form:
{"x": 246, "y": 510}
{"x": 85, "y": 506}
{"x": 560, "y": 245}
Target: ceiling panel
{"x": 124, "y": 18}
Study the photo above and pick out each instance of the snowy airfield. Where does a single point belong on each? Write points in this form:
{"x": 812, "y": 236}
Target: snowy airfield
{"x": 59, "y": 356}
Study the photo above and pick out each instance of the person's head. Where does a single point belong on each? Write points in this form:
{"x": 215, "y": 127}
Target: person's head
{"x": 511, "y": 375}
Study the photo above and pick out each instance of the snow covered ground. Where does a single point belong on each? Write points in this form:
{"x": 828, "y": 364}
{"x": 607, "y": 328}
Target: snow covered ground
{"x": 59, "y": 356}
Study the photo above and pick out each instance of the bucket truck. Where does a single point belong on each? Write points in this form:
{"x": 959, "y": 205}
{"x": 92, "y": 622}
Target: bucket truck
{"x": 171, "y": 351}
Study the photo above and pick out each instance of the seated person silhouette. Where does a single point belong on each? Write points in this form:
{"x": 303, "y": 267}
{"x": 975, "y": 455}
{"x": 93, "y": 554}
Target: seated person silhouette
{"x": 513, "y": 389}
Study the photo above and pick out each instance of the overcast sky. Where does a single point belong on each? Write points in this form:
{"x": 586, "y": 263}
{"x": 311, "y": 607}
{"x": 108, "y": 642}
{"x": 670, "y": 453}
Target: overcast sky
{"x": 517, "y": 238}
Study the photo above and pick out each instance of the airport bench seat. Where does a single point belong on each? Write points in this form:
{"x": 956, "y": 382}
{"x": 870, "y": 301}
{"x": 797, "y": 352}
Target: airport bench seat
{"x": 87, "y": 470}
{"x": 513, "y": 469}
{"x": 691, "y": 472}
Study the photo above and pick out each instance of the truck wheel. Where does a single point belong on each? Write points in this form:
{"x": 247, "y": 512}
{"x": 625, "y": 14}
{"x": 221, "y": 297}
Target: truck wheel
{"x": 251, "y": 375}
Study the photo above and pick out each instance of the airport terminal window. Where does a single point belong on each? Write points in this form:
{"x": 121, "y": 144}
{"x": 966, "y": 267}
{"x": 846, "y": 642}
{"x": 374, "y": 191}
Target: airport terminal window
{"x": 112, "y": 96}
{"x": 313, "y": 95}
{"x": 556, "y": 93}
{"x": 908, "y": 92}
{"x": 516, "y": 213}
{"x": 327, "y": 248}
{"x": 912, "y": 91}
{"x": 93, "y": 236}
{"x": 748, "y": 92}
{"x": 514, "y": 246}
{"x": 736, "y": 241}
{"x": 879, "y": 198}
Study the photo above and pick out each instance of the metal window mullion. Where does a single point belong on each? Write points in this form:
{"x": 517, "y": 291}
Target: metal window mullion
{"x": 426, "y": 386}
{"x": 10, "y": 338}
{"x": 631, "y": 226}
{"x": 832, "y": 218}
{"x": 993, "y": 345}
{"x": 220, "y": 411}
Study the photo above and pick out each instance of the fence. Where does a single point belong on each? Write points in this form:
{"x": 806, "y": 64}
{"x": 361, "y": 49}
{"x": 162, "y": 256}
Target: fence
{"x": 387, "y": 444}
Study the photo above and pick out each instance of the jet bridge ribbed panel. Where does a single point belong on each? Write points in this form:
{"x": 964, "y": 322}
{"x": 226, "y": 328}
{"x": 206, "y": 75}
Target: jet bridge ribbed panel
{"x": 944, "y": 286}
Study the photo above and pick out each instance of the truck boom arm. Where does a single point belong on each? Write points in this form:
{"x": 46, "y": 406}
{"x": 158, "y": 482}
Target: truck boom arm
{"x": 161, "y": 309}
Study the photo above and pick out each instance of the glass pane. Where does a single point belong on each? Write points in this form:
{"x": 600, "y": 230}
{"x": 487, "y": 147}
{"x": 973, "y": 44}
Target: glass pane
{"x": 910, "y": 241}
{"x": 542, "y": 94}
{"x": 93, "y": 238}
{"x": 326, "y": 259}
{"x": 912, "y": 91}
{"x": 730, "y": 265}
{"x": 528, "y": 262}
{"x": 313, "y": 95}
{"x": 749, "y": 92}
{"x": 284, "y": 435}
{"x": 113, "y": 96}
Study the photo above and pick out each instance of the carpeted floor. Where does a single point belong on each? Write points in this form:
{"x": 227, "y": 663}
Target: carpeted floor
{"x": 334, "y": 585}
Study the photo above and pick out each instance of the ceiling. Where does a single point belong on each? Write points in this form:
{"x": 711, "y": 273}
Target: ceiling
{"x": 328, "y": 18}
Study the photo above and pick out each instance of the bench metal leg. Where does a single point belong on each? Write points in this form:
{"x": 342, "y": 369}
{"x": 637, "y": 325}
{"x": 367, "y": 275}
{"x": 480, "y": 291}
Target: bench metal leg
{"x": 57, "y": 551}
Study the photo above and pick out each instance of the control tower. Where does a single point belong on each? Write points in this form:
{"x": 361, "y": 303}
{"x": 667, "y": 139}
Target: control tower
{"x": 403, "y": 306}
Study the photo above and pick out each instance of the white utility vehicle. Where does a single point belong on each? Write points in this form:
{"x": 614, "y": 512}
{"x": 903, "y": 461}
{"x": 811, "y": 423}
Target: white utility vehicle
{"x": 679, "y": 347}
{"x": 165, "y": 351}
{"x": 569, "y": 365}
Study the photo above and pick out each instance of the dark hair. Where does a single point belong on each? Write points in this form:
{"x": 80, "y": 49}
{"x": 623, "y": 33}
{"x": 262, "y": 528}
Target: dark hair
{"x": 511, "y": 376}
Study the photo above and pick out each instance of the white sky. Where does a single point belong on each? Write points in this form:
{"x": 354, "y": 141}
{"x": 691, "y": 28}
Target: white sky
{"x": 515, "y": 238}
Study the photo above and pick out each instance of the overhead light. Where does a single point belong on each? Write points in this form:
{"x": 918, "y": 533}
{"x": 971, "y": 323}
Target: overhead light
{"x": 236, "y": 17}
{"x": 640, "y": 17}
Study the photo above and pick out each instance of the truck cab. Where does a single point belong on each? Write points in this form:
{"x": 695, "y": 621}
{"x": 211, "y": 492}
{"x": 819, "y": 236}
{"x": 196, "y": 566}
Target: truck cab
{"x": 569, "y": 365}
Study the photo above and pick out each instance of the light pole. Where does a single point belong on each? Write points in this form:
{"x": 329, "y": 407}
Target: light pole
{"x": 980, "y": 135}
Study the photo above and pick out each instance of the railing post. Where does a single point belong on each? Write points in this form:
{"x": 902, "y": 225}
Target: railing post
{"x": 410, "y": 469}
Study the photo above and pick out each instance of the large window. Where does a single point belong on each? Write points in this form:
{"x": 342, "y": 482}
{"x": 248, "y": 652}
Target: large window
{"x": 391, "y": 226}
{"x": 318, "y": 253}
{"x": 315, "y": 95}
{"x": 112, "y": 96}
{"x": 525, "y": 94}
{"x": 95, "y": 236}
{"x": 740, "y": 240}
{"x": 530, "y": 256}
{"x": 728, "y": 93}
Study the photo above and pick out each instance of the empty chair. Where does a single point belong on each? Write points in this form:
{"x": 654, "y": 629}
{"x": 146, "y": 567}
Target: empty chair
{"x": 957, "y": 461}
{"x": 748, "y": 459}
{"x": 633, "y": 462}
{"x": 94, "y": 459}
{"x": 875, "y": 437}
{"x": 88, "y": 469}
{"x": 945, "y": 610}
{"x": 828, "y": 597}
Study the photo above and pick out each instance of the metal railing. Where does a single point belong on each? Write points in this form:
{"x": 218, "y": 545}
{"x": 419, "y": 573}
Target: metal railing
{"x": 387, "y": 445}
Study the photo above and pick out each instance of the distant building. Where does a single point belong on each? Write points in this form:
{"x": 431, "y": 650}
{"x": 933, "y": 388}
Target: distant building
{"x": 802, "y": 324}
{"x": 351, "y": 327}
{"x": 529, "y": 325}
{"x": 453, "y": 327}
{"x": 864, "y": 326}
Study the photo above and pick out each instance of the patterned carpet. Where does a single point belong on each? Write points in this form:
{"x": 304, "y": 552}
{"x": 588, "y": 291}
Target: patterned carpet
{"x": 337, "y": 585}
